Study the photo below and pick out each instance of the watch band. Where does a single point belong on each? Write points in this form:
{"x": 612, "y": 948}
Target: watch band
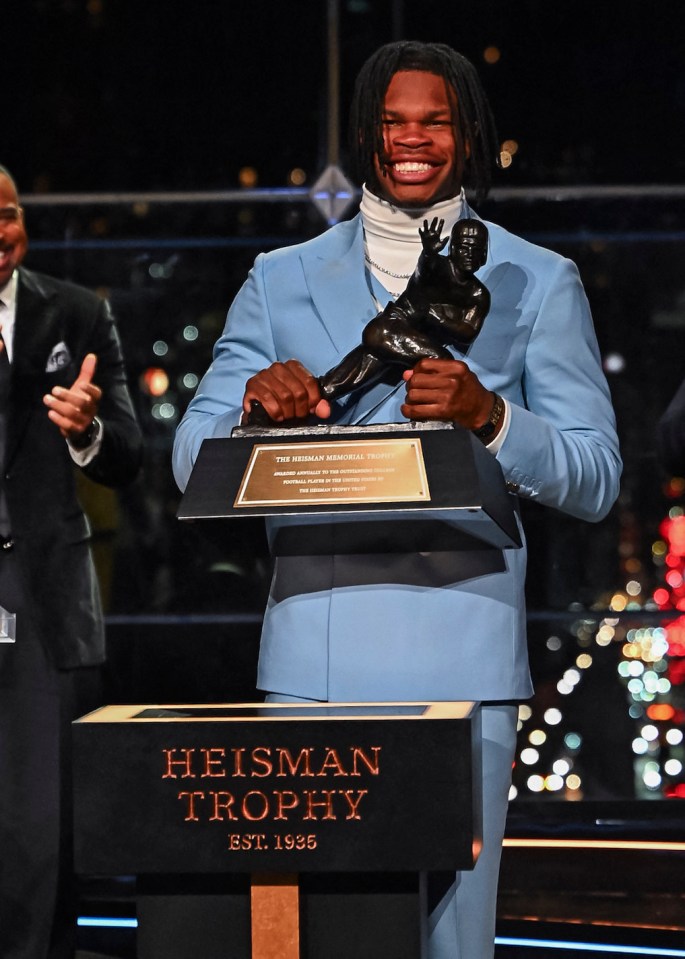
{"x": 88, "y": 437}
{"x": 485, "y": 431}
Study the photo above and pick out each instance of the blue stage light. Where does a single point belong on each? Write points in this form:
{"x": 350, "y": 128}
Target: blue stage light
{"x": 106, "y": 922}
{"x": 589, "y": 947}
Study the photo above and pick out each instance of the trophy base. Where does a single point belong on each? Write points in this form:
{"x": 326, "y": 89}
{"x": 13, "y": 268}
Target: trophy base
{"x": 343, "y": 489}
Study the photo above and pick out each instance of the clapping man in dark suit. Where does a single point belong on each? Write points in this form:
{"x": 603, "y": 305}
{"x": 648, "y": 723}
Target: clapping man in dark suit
{"x": 64, "y": 405}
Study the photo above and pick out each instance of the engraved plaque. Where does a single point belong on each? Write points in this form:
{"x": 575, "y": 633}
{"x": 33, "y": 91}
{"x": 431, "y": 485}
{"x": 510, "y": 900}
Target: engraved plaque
{"x": 341, "y": 472}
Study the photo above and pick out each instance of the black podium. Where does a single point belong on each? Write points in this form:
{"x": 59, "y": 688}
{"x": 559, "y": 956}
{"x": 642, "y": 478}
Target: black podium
{"x": 323, "y": 817}
{"x": 278, "y": 831}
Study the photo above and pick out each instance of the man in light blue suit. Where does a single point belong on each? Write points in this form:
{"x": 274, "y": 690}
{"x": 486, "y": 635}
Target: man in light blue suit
{"x": 436, "y": 626}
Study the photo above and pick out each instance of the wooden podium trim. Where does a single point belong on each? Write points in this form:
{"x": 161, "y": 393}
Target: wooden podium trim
{"x": 275, "y": 916}
{"x": 294, "y": 712}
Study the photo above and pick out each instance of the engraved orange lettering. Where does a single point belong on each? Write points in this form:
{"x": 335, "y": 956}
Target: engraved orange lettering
{"x": 223, "y": 803}
{"x": 282, "y": 804}
{"x": 332, "y": 761}
{"x": 238, "y": 762}
{"x": 191, "y": 815}
{"x": 214, "y": 766}
{"x": 263, "y": 761}
{"x": 327, "y": 803}
{"x": 348, "y": 795}
{"x": 184, "y": 763}
{"x": 371, "y": 764}
{"x": 253, "y": 815}
{"x": 286, "y": 759}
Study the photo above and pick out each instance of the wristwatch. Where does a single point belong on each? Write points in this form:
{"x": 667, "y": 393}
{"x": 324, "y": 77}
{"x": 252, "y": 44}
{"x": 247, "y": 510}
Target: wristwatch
{"x": 88, "y": 437}
{"x": 488, "y": 428}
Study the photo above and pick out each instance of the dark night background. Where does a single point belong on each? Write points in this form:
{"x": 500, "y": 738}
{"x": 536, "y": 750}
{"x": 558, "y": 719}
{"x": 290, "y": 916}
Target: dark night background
{"x": 101, "y": 96}
{"x": 116, "y": 94}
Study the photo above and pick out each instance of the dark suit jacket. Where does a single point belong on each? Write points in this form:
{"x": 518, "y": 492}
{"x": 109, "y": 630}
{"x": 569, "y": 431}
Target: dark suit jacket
{"x": 50, "y": 530}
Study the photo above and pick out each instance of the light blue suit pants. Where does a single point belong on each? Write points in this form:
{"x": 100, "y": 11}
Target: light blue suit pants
{"x": 461, "y": 920}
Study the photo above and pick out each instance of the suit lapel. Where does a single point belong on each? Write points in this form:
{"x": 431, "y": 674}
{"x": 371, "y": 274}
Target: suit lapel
{"x": 36, "y": 330}
{"x": 343, "y": 297}
{"x": 338, "y": 286}
{"x": 37, "y": 324}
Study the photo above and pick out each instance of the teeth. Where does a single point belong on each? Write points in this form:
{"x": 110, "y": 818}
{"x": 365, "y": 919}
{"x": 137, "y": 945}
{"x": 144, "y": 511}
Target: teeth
{"x": 412, "y": 167}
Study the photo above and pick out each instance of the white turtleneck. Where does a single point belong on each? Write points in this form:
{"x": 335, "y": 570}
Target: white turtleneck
{"x": 392, "y": 244}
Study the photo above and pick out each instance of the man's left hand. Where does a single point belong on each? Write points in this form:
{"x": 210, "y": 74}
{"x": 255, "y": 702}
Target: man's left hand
{"x": 73, "y": 410}
{"x": 446, "y": 390}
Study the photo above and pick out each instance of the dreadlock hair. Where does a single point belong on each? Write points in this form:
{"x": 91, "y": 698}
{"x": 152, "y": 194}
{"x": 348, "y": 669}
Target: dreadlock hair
{"x": 474, "y": 116}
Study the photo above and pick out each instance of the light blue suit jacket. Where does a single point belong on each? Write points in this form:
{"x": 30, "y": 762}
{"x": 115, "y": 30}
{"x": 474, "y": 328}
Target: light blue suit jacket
{"x": 420, "y": 626}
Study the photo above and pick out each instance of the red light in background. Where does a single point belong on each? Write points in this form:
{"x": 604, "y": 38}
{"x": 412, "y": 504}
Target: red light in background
{"x": 661, "y": 596}
{"x": 676, "y": 535}
{"x": 661, "y": 712}
{"x": 675, "y": 632}
{"x": 154, "y": 381}
{"x": 676, "y": 672}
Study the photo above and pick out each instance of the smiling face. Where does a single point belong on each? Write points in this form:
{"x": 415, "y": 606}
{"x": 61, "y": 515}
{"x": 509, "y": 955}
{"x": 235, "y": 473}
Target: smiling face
{"x": 13, "y": 239}
{"x": 423, "y": 161}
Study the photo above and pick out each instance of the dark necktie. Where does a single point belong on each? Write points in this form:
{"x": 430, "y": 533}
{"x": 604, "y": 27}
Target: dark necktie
{"x": 4, "y": 359}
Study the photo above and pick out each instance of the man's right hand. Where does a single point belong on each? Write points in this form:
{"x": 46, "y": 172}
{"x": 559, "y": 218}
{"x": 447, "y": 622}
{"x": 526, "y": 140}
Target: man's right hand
{"x": 287, "y": 391}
